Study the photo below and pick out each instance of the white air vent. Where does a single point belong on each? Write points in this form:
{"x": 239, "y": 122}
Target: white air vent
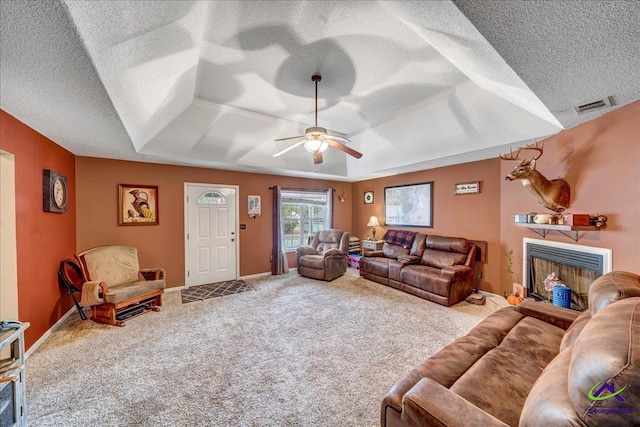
{"x": 592, "y": 106}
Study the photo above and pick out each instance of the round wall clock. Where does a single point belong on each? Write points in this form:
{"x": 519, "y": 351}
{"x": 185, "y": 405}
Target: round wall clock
{"x": 54, "y": 192}
{"x": 368, "y": 197}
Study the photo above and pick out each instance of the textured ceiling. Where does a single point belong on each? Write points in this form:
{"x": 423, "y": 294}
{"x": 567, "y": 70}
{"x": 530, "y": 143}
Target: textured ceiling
{"x": 413, "y": 85}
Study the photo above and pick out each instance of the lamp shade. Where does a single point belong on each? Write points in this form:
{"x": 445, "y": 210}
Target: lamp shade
{"x": 373, "y": 222}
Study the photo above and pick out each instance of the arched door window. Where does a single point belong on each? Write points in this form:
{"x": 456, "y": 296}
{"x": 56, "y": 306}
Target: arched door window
{"x": 212, "y": 198}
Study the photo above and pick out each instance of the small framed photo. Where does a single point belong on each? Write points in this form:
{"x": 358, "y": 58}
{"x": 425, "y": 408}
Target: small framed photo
{"x": 519, "y": 290}
{"x": 368, "y": 197}
{"x": 138, "y": 205}
{"x": 255, "y": 208}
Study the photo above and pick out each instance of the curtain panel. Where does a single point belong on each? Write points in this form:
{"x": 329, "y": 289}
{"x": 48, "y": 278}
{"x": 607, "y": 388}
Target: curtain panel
{"x": 279, "y": 263}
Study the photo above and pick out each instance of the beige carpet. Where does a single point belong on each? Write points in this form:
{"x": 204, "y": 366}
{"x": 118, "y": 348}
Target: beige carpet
{"x": 297, "y": 352}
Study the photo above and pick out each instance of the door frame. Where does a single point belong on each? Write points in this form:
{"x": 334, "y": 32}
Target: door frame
{"x": 187, "y": 185}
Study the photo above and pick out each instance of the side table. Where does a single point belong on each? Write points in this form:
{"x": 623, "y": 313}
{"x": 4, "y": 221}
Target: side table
{"x": 371, "y": 245}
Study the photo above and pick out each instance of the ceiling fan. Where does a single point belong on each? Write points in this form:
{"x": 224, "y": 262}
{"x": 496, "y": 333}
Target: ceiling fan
{"x": 316, "y": 140}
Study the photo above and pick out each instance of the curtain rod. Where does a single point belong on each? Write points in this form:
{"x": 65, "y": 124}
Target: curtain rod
{"x": 306, "y": 189}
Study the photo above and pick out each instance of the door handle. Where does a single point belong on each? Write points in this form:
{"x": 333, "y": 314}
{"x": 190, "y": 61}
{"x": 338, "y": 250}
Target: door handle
{"x": 233, "y": 240}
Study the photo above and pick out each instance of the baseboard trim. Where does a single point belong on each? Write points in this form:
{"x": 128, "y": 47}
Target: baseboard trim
{"x": 175, "y": 288}
{"x": 255, "y": 276}
{"x": 44, "y": 336}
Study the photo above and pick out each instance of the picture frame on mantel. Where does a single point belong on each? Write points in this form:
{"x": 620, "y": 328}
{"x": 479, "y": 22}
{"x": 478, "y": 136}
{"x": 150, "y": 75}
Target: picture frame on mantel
{"x": 138, "y": 205}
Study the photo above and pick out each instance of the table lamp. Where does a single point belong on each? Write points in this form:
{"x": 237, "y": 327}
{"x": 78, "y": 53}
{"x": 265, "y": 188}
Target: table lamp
{"x": 373, "y": 222}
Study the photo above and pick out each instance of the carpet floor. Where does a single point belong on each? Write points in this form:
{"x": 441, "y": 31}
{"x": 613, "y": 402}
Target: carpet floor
{"x": 297, "y": 352}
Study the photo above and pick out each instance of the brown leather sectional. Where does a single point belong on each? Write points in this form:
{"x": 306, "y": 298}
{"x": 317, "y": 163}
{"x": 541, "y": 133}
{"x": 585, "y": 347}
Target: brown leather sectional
{"x": 535, "y": 365}
{"x": 436, "y": 268}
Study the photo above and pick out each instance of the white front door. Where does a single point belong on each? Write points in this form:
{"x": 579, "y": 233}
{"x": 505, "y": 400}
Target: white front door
{"x": 211, "y": 234}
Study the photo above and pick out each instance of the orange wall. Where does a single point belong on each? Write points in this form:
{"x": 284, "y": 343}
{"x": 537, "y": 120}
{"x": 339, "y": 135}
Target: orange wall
{"x": 163, "y": 245}
{"x": 43, "y": 239}
{"x": 601, "y": 161}
{"x": 473, "y": 216}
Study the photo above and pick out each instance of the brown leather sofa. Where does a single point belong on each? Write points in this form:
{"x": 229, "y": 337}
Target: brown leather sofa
{"x": 534, "y": 365}
{"x": 436, "y": 268}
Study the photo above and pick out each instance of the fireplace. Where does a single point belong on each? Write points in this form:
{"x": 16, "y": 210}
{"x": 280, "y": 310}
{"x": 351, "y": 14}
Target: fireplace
{"x": 577, "y": 266}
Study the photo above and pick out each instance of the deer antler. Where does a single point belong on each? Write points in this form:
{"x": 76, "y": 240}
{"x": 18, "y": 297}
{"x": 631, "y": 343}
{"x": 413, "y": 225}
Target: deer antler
{"x": 535, "y": 147}
{"x": 515, "y": 156}
{"x": 511, "y": 155}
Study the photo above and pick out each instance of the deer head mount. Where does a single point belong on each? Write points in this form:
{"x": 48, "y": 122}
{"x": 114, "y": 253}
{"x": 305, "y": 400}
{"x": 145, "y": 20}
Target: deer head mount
{"x": 554, "y": 194}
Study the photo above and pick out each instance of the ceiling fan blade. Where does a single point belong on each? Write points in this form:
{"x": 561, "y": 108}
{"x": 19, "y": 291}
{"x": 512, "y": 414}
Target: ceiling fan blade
{"x": 339, "y": 139}
{"x": 297, "y": 144}
{"x": 291, "y": 137}
{"x": 317, "y": 157}
{"x": 343, "y": 148}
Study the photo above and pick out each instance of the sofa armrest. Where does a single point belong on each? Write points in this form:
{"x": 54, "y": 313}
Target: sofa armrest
{"x": 305, "y": 250}
{"x": 333, "y": 252}
{"x": 93, "y": 293}
{"x": 456, "y": 271}
{"x": 556, "y": 316}
{"x": 409, "y": 259}
{"x": 152, "y": 274}
{"x": 373, "y": 254}
{"x": 430, "y": 403}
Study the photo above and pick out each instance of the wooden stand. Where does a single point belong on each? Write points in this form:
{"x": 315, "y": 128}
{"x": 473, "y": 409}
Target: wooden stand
{"x": 116, "y": 314}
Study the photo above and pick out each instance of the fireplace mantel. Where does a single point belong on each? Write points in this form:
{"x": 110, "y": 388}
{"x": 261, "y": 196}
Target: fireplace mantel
{"x": 543, "y": 229}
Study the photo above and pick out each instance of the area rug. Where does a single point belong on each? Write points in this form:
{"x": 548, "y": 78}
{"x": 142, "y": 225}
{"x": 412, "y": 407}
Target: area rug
{"x": 214, "y": 290}
{"x": 296, "y": 352}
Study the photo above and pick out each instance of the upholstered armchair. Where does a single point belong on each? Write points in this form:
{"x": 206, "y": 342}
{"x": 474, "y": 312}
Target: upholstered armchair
{"x": 114, "y": 285}
{"x": 326, "y": 257}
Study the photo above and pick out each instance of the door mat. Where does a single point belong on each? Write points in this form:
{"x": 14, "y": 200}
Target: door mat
{"x": 214, "y": 290}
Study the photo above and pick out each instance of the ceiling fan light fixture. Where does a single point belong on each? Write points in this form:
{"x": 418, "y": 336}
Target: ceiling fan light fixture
{"x": 315, "y": 144}
{"x": 316, "y": 140}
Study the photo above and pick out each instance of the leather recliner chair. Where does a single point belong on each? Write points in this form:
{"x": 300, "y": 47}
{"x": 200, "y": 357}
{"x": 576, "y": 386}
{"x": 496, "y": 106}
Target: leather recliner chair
{"x": 326, "y": 257}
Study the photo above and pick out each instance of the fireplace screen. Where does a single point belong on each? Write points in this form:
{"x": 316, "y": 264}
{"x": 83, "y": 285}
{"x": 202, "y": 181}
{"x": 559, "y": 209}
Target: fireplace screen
{"x": 575, "y": 278}
{"x": 576, "y": 270}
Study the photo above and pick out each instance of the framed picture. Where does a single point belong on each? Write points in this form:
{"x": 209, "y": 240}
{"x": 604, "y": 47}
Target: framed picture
{"x": 138, "y": 204}
{"x": 254, "y": 207}
{"x": 467, "y": 188}
{"x": 519, "y": 290}
{"x": 368, "y": 197}
{"x": 409, "y": 205}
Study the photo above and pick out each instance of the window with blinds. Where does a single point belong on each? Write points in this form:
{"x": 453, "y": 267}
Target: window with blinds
{"x": 304, "y": 212}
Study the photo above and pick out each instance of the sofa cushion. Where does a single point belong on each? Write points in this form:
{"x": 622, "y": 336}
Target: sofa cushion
{"x": 608, "y": 349}
{"x": 612, "y": 287}
{"x": 575, "y": 329}
{"x": 312, "y": 261}
{"x": 498, "y": 383}
{"x": 448, "y": 244}
{"x": 548, "y": 402}
{"x": 441, "y": 259}
{"x": 494, "y": 328}
{"x": 426, "y": 278}
{"x": 378, "y": 266}
{"x": 534, "y": 341}
{"x": 114, "y": 265}
{"x": 419, "y": 245}
{"x": 328, "y": 239}
{"x": 125, "y": 291}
